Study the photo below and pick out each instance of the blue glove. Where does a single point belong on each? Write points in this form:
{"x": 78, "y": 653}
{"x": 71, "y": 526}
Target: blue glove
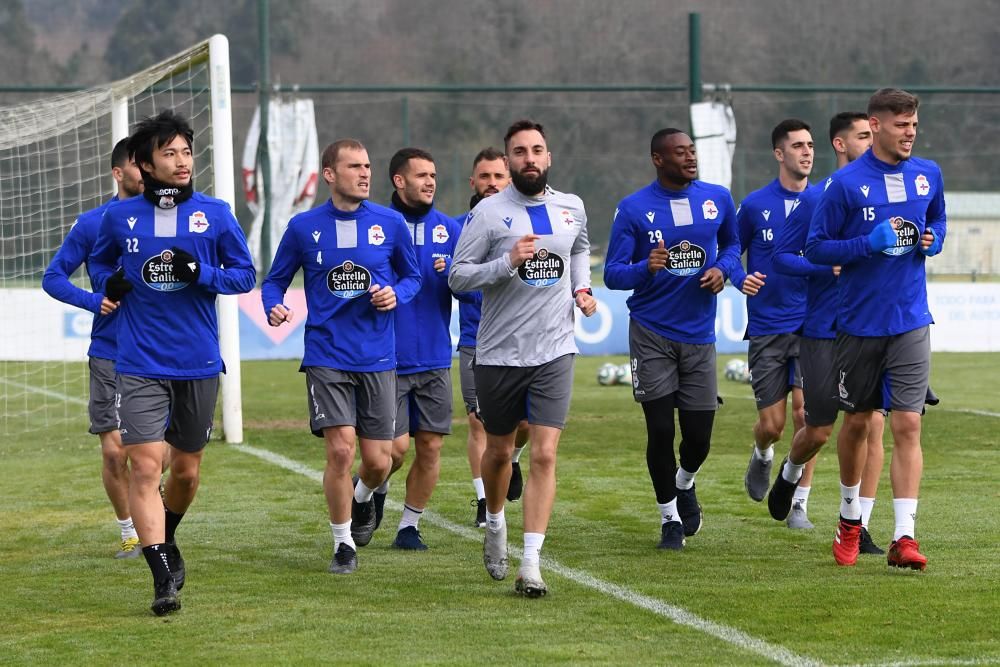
{"x": 882, "y": 237}
{"x": 935, "y": 246}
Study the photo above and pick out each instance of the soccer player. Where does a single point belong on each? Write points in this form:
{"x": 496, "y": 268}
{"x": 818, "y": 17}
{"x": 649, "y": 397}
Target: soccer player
{"x": 178, "y": 249}
{"x": 879, "y": 218}
{"x": 775, "y": 310}
{"x": 423, "y": 343}
{"x": 358, "y": 263}
{"x": 526, "y": 248}
{"x": 74, "y": 251}
{"x": 673, "y": 243}
{"x": 489, "y": 176}
{"x": 850, "y": 136}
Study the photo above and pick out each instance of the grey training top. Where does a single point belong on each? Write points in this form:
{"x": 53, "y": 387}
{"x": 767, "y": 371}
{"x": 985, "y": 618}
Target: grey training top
{"x": 527, "y": 317}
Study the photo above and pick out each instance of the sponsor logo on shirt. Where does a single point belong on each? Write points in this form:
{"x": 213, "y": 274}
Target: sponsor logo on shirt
{"x": 686, "y": 259}
{"x": 710, "y": 210}
{"x": 349, "y": 280}
{"x": 197, "y": 222}
{"x": 543, "y": 269}
{"x": 907, "y": 236}
{"x": 923, "y": 186}
{"x": 439, "y": 234}
{"x": 158, "y": 273}
{"x": 375, "y": 235}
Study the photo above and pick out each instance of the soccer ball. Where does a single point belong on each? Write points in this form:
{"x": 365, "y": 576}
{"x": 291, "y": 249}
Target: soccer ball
{"x": 737, "y": 370}
{"x": 607, "y": 375}
{"x": 623, "y": 373}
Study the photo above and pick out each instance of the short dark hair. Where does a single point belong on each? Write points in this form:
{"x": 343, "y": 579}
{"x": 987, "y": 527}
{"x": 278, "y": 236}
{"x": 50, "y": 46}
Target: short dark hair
{"x": 785, "y": 127}
{"x": 120, "y": 154}
{"x": 843, "y": 121}
{"x": 403, "y": 156}
{"x": 893, "y": 100}
{"x": 487, "y": 154}
{"x": 156, "y": 131}
{"x": 332, "y": 152}
{"x": 656, "y": 142}
{"x": 521, "y": 126}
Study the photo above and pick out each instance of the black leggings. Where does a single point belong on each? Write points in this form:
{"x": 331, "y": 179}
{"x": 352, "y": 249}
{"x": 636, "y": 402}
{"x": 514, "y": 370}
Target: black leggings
{"x": 696, "y": 438}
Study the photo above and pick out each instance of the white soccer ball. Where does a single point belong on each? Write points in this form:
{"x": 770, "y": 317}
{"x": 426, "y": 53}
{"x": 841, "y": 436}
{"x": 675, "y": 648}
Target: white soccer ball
{"x": 623, "y": 374}
{"x": 607, "y": 375}
{"x": 737, "y": 370}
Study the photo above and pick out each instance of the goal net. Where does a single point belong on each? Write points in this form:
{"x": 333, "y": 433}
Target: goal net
{"x": 54, "y": 165}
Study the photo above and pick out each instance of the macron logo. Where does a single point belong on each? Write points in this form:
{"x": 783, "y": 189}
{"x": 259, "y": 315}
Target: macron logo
{"x": 864, "y": 190}
{"x": 316, "y": 237}
{"x": 767, "y": 215}
{"x": 131, "y": 222}
{"x": 650, "y": 215}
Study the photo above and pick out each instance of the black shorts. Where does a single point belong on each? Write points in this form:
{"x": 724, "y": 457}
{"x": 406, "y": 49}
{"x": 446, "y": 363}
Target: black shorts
{"x": 818, "y": 361}
{"x": 181, "y": 412}
{"x": 902, "y": 362}
{"x": 508, "y": 394}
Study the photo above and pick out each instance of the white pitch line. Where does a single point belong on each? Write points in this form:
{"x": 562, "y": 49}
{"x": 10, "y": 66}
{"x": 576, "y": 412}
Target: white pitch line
{"x": 676, "y": 614}
{"x": 44, "y": 392}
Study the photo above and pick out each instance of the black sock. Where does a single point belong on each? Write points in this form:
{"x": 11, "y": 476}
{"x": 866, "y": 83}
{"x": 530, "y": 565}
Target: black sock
{"x": 172, "y": 521}
{"x": 156, "y": 558}
{"x": 660, "y": 460}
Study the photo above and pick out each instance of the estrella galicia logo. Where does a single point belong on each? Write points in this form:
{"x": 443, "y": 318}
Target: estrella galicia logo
{"x": 349, "y": 280}
{"x": 542, "y": 269}
{"x": 907, "y": 236}
{"x": 686, "y": 259}
{"x": 158, "y": 273}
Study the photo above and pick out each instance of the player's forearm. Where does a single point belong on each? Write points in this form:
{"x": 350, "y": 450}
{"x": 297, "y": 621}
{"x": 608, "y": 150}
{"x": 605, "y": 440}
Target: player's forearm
{"x": 58, "y": 286}
{"x": 579, "y": 270}
{"x": 625, "y": 276}
{"x": 468, "y": 276}
{"x": 833, "y": 252}
{"x": 237, "y": 280}
{"x": 794, "y": 264}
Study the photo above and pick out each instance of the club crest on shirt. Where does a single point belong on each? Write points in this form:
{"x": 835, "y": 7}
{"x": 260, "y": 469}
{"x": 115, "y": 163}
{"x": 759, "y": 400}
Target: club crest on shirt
{"x": 710, "y": 210}
{"x": 567, "y": 218}
{"x": 349, "y": 280}
{"x": 375, "y": 235}
{"x": 158, "y": 273}
{"x": 923, "y": 185}
{"x": 197, "y": 222}
{"x": 907, "y": 236}
{"x": 686, "y": 259}
{"x": 543, "y": 269}
{"x": 439, "y": 234}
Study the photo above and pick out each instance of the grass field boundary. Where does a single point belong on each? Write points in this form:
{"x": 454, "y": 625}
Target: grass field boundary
{"x": 677, "y": 615}
{"x": 932, "y": 410}
{"x": 44, "y": 392}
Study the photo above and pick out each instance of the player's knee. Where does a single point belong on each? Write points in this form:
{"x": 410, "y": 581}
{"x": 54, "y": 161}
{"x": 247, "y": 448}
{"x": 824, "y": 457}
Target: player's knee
{"x": 543, "y": 457}
{"x": 340, "y": 455}
{"x": 115, "y": 460}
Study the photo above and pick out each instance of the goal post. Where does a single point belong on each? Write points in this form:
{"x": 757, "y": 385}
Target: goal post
{"x": 55, "y": 165}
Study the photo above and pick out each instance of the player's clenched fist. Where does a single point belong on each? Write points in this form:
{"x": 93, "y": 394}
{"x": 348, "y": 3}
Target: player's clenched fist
{"x": 523, "y": 250}
{"x": 383, "y": 298}
{"x": 753, "y": 283}
{"x": 280, "y": 314}
{"x": 657, "y": 258}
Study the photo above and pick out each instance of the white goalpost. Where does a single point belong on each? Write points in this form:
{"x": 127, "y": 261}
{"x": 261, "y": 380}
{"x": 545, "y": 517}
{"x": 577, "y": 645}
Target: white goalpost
{"x": 54, "y": 165}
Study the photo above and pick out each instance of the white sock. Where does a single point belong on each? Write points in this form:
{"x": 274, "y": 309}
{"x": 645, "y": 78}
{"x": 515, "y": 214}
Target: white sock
{"x": 384, "y": 489}
{"x": 517, "y": 456}
{"x": 480, "y": 489}
{"x": 127, "y": 527}
{"x": 792, "y": 472}
{"x": 532, "y": 547}
{"x": 765, "y": 455}
{"x": 668, "y": 511}
{"x": 850, "y": 508}
{"x": 801, "y": 497}
{"x": 867, "y": 504}
{"x": 342, "y": 534}
{"x": 684, "y": 480}
{"x": 496, "y": 521}
{"x": 362, "y": 493}
{"x": 906, "y": 517}
{"x": 411, "y": 517}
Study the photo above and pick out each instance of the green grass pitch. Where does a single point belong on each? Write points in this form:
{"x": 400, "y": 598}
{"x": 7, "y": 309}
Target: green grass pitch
{"x": 257, "y": 546}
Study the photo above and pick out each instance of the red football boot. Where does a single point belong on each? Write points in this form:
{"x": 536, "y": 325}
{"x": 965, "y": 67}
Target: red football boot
{"x": 847, "y": 542}
{"x": 905, "y": 552}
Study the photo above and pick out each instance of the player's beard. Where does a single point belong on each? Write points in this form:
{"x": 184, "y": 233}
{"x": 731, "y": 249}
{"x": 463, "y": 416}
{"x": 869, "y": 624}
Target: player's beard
{"x": 530, "y": 185}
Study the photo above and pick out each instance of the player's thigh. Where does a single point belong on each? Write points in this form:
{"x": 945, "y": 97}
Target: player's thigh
{"x": 143, "y": 406}
{"x": 907, "y": 369}
{"x": 697, "y": 388}
{"x": 192, "y": 413}
{"x": 654, "y": 364}
{"x": 101, "y": 407}
{"x": 818, "y": 361}
{"x": 550, "y": 392}
{"x": 376, "y": 400}
{"x": 331, "y": 396}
